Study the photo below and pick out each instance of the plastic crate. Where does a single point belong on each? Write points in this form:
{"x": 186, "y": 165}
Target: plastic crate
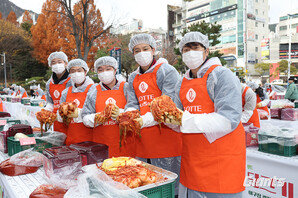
{"x": 277, "y": 145}
{"x": 10, "y": 122}
{"x": 15, "y": 147}
{"x": 163, "y": 191}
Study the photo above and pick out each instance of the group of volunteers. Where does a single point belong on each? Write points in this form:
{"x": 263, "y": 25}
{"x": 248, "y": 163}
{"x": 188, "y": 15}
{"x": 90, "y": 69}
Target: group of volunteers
{"x": 207, "y": 150}
{"x": 18, "y": 91}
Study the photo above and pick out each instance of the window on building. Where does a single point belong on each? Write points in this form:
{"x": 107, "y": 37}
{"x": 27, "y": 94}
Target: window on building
{"x": 257, "y": 49}
{"x": 263, "y": 13}
{"x": 294, "y": 25}
{"x": 283, "y": 18}
{"x": 257, "y": 1}
{"x": 257, "y": 37}
{"x": 257, "y": 11}
{"x": 257, "y": 60}
{"x": 263, "y": 25}
{"x": 281, "y": 28}
{"x": 256, "y": 24}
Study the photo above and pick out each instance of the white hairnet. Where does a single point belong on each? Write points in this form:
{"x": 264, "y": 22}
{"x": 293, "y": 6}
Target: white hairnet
{"x": 105, "y": 60}
{"x": 141, "y": 39}
{"x": 13, "y": 85}
{"x": 77, "y": 62}
{"x": 34, "y": 87}
{"x": 252, "y": 85}
{"x": 197, "y": 37}
{"x": 60, "y": 55}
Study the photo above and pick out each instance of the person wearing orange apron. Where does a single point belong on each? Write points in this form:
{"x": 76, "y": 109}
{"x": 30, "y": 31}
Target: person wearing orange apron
{"x": 109, "y": 90}
{"x": 38, "y": 92}
{"x": 21, "y": 92}
{"x": 213, "y": 139}
{"x": 262, "y": 97}
{"x": 160, "y": 146}
{"x": 76, "y": 131}
{"x": 59, "y": 81}
{"x": 249, "y": 111}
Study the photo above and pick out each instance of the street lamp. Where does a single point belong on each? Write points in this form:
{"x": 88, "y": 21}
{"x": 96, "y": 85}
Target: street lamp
{"x": 290, "y": 46}
{"x": 4, "y": 64}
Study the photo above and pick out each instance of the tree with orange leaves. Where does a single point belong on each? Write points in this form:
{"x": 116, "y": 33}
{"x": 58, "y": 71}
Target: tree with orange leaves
{"x": 86, "y": 25}
{"x": 0, "y": 15}
{"x": 27, "y": 17}
{"x": 78, "y": 31}
{"x": 51, "y": 33}
{"x": 12, "y": 17}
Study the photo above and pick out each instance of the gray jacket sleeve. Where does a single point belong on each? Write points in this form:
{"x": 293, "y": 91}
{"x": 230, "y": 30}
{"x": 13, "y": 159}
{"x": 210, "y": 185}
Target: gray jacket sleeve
{"x": 89, "y": 105}
{"x": 249, "y": 106}
{"x": 177, "y": 95}
{"x": 125, "y": 90}
{"x": 224, "y": 89}
{"x": 64, "y": 95}
{"x": 166, "y": 78}
{"x": 132, "y": 100}
{"x": 48, "y": 96}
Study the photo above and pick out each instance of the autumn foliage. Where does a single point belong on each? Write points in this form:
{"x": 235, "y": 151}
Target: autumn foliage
{"x": 12, "y": 17}
{"x": 54, "y": 31}
{"x": 27, "y": 17}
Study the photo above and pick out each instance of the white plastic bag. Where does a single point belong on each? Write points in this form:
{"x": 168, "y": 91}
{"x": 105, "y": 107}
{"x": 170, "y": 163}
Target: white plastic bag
{"x": 52, "y": 137}
{"x": 276, "y": 104}
{"x": 28, "y": 158}
{"x": 95, "y": 183}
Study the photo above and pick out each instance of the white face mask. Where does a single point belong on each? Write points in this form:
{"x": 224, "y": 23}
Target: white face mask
{"x": 193, "y": 59}
{"x": 106, "y": 77}
{"x": 144, "y": 58}
{"x": 78, "y": 77}
{"x": 58, "y": 68}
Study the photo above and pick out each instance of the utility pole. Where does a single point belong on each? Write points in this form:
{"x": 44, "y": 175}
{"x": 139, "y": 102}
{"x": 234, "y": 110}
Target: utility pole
{"x": 290, "y": 47}
{"x": 4, "y": 64}
{"x": 245, "y": 54}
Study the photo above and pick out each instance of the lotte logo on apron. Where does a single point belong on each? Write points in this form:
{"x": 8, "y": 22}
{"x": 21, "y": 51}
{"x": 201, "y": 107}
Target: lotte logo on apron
{"x": 56, "y": 94}
{"x": 191, "y": 95}
{"x": 143, "y": 87}
{"x": 110, "y": 101}
{"x": 77, "y": 102}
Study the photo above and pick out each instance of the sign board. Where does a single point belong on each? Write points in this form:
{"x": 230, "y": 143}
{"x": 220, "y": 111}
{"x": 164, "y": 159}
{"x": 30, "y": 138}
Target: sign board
{"x": 116, "y": 53}
{"x": 265, "y": 49}
{"x": 284, "y": 51}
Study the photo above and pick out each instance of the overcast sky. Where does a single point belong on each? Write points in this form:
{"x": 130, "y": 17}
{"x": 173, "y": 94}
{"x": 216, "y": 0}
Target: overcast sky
{"x": 152, "y": 12}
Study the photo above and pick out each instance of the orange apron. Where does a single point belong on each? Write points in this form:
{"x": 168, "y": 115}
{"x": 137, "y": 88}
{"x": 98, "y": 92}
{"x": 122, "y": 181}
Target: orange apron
{"x": 25, "y": 95}
{"x": 1, "y": 105}
{"x": 218, "y": 167}
{"x": 263, "y": 108}
{"x": 55, "y": 92}
{"x": 78, "y": 132}
{"x": 108, "y": 133}
{"x": 43, "y": 97}
{"x": 254, "y": 119}
{"x": 156, "y": 142}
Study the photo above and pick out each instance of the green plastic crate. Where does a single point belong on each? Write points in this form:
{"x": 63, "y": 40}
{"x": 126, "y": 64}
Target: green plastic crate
{"x": 11, "y": 122}
{"x": 296, "y": 104}
{"x": 15, "y": 147}
{"x": 274, "y": 148}
{"x": 163, "y": 191}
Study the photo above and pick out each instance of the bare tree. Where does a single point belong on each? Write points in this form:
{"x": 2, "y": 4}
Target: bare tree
{"x": 86, "y": 24}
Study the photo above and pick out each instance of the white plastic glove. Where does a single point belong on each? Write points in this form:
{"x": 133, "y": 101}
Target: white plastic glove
{"x": 59, "y": 118}
{"x": 115, "y": 112}
{"x": 213, "y": 125}
{"x": 148, "y": 120}
{"x": 88, "y": 120}
{"x": 49, "y": 107}
{"x": 79, "y": 118}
